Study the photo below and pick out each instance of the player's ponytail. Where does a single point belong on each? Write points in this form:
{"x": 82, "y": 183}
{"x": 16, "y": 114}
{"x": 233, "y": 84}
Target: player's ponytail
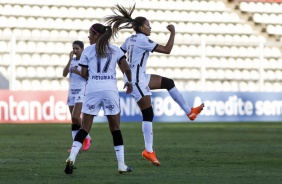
{"x": 103, "y": 40}
{"x": 125, "y": 18}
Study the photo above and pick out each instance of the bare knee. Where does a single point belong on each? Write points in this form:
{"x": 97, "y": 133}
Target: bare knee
{"x": 114, "y": 122}
{"x": 114, "y": 127}
{"x": 87, "y": 121}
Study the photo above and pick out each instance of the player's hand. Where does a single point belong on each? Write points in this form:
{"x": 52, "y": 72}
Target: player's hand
{"x": 71, "y": 55}
{"x": 75, "y": 70}
{"x": 128, "y": 87}
{"x": 171, "y": 28}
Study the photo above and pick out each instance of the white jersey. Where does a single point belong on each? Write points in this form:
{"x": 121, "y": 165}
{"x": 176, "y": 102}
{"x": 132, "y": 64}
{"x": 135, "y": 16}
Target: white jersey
{"x": 138, "y": 47}
{"x": 75, "y": 79}
{"x": 102, "y": 71}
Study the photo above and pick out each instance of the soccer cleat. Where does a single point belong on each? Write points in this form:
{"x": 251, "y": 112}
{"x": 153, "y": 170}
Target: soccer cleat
{"x": 151, "y": 156}
{"x": 125, "y": 169}
{"x": 195, "y": 112}
{"x": 86, "y": 144}
{"x": 69, "y": 166}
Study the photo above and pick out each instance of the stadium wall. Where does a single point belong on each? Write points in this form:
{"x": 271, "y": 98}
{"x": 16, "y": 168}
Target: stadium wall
{"x": 50, "y": 107}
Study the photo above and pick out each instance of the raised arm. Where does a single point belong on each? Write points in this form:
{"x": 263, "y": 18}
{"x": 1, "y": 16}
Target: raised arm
{"x": 168, "y": 47}
{"x": 66, "y": 69}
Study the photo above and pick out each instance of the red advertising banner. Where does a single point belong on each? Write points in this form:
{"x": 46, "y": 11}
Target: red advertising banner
{"x": 34, "y": 107}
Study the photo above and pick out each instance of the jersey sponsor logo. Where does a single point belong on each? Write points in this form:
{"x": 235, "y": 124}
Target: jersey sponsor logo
{"x": 75, "y": 91}
{"x": 90, "y": 107}
{"x": 104, "y": 77}
{"x": 110, "y": 107}
{"x": 131, "y": 65}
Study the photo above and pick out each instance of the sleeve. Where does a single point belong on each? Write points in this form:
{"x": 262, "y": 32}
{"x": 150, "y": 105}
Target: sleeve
{"x": 83, "y": 59}
{"x": 147, "y": 44}
{"x": 123, "y": 50}
{"x": 123, "y": 46}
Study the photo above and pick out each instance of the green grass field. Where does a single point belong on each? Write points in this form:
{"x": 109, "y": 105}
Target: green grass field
{"x": 189, "y": 153}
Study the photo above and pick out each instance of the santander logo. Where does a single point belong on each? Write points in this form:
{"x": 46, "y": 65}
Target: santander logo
{"x": 34, "y": 107}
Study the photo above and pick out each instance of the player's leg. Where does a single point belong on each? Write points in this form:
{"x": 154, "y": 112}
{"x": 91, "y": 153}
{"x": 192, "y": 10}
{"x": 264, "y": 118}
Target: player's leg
{"x": 142, "y": 95}
{"x": 147, "y": 127}
{"x": 76, "y": 118}
{"x": 78, "y": 141}
{"x": 118, "y": 143}
{"x": 75, "y": 126}
{"x": 88, "y": 113}
{"x": 159, "y": 82}
{"x": 76, "y": 121}
{"x": 112, "y": 111}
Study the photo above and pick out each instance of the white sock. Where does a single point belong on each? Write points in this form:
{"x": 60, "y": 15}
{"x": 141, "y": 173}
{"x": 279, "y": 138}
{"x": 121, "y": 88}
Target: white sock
{"x": 178, "y": 98}
{"x": 147, "y": 128}
{"x": 73, "y": 133}
{"x": 74, "y": 150}
{"x": 120, "y": 155}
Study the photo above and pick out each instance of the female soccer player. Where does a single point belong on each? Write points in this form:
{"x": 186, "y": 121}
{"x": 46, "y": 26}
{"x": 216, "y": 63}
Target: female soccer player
{"x": 76, "y": 90}
{"x": 98, "y": 62}
{"x": 138, "y": 47}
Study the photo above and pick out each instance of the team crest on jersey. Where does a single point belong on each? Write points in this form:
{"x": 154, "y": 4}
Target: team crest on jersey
{"x": 110, "y": 107}
{"x": 90, "y": 107}
{"x": 150, "y": 41}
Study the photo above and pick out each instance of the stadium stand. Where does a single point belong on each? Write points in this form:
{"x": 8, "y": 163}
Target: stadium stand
{"x": 216, "y": 40}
